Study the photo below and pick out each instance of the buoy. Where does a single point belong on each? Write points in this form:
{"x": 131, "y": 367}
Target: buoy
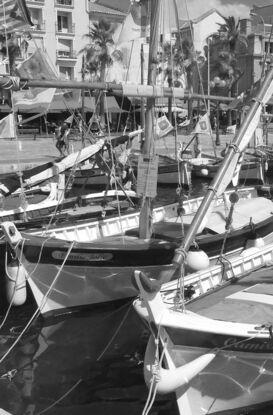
{"x": 169, "y": 380}
{"x": 196, "y": 260}
{"x": 254, "y": 243}
{"x": 16, "y": 287}
{"x": 204, "y": 172}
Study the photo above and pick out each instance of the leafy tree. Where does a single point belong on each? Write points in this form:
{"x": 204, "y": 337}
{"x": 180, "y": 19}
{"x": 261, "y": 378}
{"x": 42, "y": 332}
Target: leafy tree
{"x": 97, "y": 54}
{"x": 224, "y": 46}
{"x": 177, "y": 60}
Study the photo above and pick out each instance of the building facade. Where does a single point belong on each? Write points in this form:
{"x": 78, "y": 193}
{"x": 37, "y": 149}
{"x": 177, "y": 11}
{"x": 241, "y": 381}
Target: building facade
{"x": 60, "y": 26}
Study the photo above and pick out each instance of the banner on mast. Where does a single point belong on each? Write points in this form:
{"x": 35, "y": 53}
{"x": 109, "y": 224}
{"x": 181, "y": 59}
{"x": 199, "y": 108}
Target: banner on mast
{"x": 14, "y": 15}
{"x": 38, "y": 99}
{"x": 163, "y": 126}
{"x": 203, "y": 125}
{"x": 36, "y": 67}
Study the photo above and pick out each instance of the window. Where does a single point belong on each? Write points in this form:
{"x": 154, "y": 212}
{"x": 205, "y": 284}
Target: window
{"x": 66, "y": 72}
{"x": 62, "y": 23}
{"x": 65, "y": 2}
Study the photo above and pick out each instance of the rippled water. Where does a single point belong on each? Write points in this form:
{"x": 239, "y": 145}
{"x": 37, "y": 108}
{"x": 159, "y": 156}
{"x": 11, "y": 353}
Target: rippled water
{"x": 87, "y": 362}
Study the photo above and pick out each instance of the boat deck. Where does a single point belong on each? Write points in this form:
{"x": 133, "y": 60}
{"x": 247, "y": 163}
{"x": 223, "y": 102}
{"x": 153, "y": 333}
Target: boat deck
{"x": 245, "y": 300}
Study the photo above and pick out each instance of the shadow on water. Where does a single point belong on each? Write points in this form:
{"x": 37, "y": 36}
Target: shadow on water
{"x": 87, "y": 362}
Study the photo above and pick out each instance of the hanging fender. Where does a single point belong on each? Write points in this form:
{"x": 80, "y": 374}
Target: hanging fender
{"x": 169, "y": 380}
{"x": 16, "y": 288}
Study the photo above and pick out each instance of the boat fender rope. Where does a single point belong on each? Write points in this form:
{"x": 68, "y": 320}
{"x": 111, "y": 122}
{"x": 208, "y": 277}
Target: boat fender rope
{"x": 9, "y": 375}
{"x": 234, "y": 147}
{"x": 211, "y": 189}
{"x": 149, "y": 285}
{"x": 180, "y": 256}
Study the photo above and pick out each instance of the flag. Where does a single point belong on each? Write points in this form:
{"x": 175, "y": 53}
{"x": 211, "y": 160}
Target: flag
{"x": 36, "y": 67}
{"x": 33, "y": 99}
{"x": 163, "y": 126}
{"x": 14, "y": 15}
{"x": 203, "y": 126}
{"x": 7, "y": 127}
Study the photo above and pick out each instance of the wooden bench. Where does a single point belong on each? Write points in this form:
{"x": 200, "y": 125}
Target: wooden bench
{"x": 28, "y": 130}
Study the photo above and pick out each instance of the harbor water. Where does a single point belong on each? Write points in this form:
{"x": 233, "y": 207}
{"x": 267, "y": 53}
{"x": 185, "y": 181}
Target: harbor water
{"x": 86, "y": 362}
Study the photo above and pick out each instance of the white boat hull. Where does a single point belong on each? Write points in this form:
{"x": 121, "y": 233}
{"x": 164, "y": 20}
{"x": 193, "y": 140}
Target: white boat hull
{"x": 84, "y": 286}
{"x": 232, "y": 381}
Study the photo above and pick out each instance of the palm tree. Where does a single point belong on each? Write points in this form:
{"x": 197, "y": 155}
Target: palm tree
{"x": 97, "y": 55}
{"x": 224, "y": 48}
{"x": 179, "y": 59}
{"x": 171, "y": 66}
{"x": 192, "y": 61}
{"x": 230, "y": 34}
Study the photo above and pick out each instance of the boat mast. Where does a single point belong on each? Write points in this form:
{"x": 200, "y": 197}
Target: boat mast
{"x": 148, "y": 149}
{"x": 225, "y": 171}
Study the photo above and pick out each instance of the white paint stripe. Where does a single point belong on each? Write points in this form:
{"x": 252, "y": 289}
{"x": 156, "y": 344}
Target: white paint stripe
{"x": 246, "y": 296}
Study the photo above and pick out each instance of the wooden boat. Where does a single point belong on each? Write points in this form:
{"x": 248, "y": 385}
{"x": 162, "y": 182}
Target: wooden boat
{"x": 216, "y": 352}
{"x": 251, "y": 170}
{"x": 91, "y": 262}
{"x": 57, "y": 204}
{"x": 170, "y": 172}
{"x": 70, "y": 271}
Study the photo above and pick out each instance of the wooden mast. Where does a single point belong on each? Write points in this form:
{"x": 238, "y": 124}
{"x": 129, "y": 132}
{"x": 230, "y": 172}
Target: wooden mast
{"x": 224, "y": 173}
{"x": 148, "y": 150}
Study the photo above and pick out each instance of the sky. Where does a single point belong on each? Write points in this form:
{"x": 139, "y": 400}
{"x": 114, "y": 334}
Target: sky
{"x": 194, "y": 8}
{"x": 190, "y": 9}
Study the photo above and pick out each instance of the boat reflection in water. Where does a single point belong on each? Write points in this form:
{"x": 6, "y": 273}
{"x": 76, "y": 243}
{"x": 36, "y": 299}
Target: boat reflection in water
{"x": 88, "y": 362}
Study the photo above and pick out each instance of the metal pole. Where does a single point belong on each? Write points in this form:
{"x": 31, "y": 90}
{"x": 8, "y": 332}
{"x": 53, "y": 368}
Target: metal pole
{"x": 148, "y": 146}
{"x": 83, "y": 109}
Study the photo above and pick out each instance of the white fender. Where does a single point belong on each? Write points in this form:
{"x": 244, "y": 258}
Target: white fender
{"x": 197, "y": 260}
{"x": 255, "y": 243}
{"x": 169, "y": 380}
{"x": 204, "y": 172}
{"x": 16, "y": 287}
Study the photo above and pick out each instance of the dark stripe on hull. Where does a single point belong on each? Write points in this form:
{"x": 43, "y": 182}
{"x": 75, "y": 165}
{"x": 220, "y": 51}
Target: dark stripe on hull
{"x": 197, "y": 339}
{"x": 54, "y": 252}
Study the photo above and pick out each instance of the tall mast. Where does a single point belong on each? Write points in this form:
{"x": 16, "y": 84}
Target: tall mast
{"x": 226, "y": 170}
{"x": 148, "y": 146}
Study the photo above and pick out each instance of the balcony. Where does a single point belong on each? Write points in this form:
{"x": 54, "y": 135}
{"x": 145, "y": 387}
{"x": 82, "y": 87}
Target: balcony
{"x": 39, "y": 27}
{"x": 64, "y": 3}
{"x": 65, "y": 31}
{"x": 66, "y": 54}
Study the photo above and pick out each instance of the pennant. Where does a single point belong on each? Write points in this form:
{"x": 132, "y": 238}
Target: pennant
{"x": 36, "y": 67}
{"x": 38, "y": 99}
{"x": 203, "y": 126}
{"x": 7, "y": 127}
{"x": 163, "y": 126}
{"x": 14, "y": 15}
